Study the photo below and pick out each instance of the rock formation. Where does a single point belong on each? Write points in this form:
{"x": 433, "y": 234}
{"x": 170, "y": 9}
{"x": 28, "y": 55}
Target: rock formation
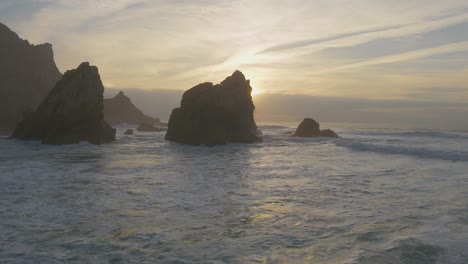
{"x": 120, "y": 109}
{"x": 27, "y": 74}
{"x": 144, "y": 127}
{"x": 129, "y": 132}
{"x": 310, "y": 128}
{"x": 215, "y": 114}
{"x": 72, "y": 112}
{"x": 328, "y": 133}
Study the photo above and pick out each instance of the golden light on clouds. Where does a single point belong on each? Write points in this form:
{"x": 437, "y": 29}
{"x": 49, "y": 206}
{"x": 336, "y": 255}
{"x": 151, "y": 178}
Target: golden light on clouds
{"x": 291, "y": 47}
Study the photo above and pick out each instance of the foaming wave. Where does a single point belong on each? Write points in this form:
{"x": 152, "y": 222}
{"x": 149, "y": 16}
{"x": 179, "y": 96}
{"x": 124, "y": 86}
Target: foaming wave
{"x": 411, "y": 251}
{"x": 273, "y": 127}
{"x": 450, "y": 155}
{"x": 426, "y": 134}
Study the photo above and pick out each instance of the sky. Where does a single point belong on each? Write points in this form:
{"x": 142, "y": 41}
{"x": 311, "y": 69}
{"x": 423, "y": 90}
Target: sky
{"x": 394, "y": 60}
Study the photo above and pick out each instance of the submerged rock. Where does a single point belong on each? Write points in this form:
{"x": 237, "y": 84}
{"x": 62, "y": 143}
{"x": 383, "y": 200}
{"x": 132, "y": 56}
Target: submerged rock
{"x": 129, "y": 132}
{"x": 72, "y": 112}
{"x": 311, "y": 128}
{"x": 144, "y": 127}
{"x": 215, "y": 114}
{"x": 27, "y": 74}
{"x": 120, "y": 109}
{"x": 328, "y": 133}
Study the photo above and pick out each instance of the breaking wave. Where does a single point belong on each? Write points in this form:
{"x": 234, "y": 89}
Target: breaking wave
{"x": 450, "y": 155}
{"x": 414, "y": 134}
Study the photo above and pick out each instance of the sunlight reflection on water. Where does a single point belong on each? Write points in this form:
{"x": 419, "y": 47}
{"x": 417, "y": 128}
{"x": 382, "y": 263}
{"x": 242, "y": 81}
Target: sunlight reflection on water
{"x": 144, "y": 200}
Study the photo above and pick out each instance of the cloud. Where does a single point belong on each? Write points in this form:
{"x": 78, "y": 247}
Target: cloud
{"x": 294, "y": 46}
{"x": 359, "y": 37}
{"x": 442, "y": 49}
{"x": 309, "y": 42}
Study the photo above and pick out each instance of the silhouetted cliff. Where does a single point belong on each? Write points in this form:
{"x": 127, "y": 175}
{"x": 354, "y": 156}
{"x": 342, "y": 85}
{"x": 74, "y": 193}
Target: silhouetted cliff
{"x": 72, "y": 112}
{"x": 215, "y": 114}
{"x": 120, "y": 109}
{"x": 27, "y": 74}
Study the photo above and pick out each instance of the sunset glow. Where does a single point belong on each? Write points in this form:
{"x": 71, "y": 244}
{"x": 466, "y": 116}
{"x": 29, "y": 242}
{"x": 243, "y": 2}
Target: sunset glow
{"x": 255, "y": 92}
{"x": 364, "y": 50}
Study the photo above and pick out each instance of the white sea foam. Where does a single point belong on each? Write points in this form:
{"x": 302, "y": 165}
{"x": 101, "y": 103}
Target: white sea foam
{"x": 452, "y": 155}
{"x": 371, "y": 196}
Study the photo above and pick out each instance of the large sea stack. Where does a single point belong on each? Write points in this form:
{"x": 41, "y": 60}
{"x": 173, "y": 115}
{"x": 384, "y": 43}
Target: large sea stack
{"x": 311, "y": 128}
{"x": 71, "y": 113}
{"x": 120, "y": 109}
{"x": 215, "y": 114}
{"x": 27, "y": 74}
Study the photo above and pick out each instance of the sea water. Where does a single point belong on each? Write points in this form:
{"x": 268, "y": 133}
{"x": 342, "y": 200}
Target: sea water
{"x": 371, "y": 196}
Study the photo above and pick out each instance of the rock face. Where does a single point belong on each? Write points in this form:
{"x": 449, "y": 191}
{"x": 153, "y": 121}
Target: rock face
{"x": 120, "y": 109}
{"x": 129, "y": 132}
{"x": 215, "y": 114}
{"x": 310, "y": 128}
{"x": 72, "y": 112}
{"x": 27, "y": 74}
{"x": 144, "y": 127}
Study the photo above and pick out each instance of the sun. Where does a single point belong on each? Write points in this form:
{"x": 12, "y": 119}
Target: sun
{"x": 255, "y": 92}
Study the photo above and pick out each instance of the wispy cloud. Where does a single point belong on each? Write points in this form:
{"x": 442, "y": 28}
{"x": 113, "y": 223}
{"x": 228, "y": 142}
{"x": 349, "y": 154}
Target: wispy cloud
{"x": 279, "y": 44}
{"x": 417, "y": 54}
{"x": 309, "y": 42}
{"x": 355, "y": 38}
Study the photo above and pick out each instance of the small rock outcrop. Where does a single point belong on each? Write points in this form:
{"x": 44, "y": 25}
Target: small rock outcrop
{"x": 27, "y": 74}
{"x": 71, "y": 113}
{"x": 311, "y": 128}
{"x": 144, "y": 127}
{"x": 215, "y": 114}
{"x": 120, "y": 109}
{"x": 129, "y": 132}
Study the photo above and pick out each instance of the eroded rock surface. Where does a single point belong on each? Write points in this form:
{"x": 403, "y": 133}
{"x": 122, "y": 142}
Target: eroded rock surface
{"x": 311, "y": 128}
{"x": 215, "y": 114}
{"x": 27, "y": 74}
{"x": 71, "y": 113}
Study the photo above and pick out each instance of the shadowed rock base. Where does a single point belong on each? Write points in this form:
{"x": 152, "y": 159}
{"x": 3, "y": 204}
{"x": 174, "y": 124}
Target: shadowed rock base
{"x": 71, "y": 113}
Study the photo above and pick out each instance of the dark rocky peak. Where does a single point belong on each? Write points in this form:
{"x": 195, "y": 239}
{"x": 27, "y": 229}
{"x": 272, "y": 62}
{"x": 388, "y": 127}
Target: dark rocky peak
{"x": 122, "y": 98}
{"x": 311, "y": 128}
{"x": 236, "y": 80}
{"x": 27, "y": 74}
{"x": 71, "y": 113}
{"x": 7, "y": 34}
{"x": 120, "y": 109}
{"x": 215, "y": 114}
{"x": 8, "y": 37}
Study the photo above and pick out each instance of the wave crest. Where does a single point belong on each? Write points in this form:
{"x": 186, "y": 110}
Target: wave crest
{"x": 450, "y": 155}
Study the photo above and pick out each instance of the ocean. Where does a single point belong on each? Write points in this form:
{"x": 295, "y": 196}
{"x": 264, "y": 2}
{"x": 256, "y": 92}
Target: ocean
{"x": 375, "y": 195}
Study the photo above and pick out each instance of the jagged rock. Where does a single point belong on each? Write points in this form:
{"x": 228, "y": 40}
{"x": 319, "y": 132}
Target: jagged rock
{"x": 129, "y": 132}
{"x": 328, "y": 133}
{"x": 120, "y": 109}
{"x": 72, "y": 112}
{"x": 311, "y": 128}
{"x": 27, "y": 74}
{"x": 215, "y": 114}
{"x": 144, "y": 127}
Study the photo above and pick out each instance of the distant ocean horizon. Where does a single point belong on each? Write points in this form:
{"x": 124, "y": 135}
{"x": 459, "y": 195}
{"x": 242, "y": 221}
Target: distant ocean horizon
{"x": 374, "y": 195}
